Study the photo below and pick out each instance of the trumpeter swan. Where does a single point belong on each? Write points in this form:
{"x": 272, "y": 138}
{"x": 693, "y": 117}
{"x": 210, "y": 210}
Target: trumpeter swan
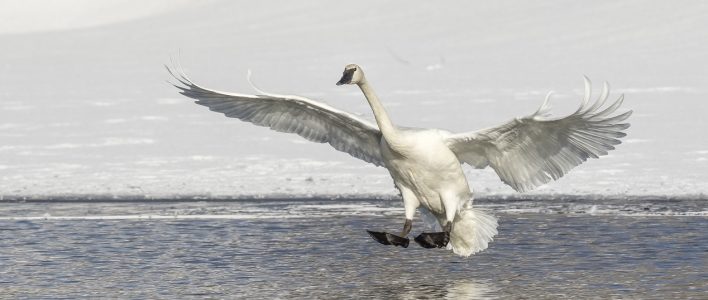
{"x": 425, "y": 164}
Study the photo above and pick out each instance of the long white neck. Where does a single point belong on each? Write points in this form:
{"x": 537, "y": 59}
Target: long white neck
{"x": 390, "y": 133}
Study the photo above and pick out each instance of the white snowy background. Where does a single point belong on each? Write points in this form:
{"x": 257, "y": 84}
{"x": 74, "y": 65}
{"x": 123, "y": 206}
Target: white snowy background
{"x": 85, "y": 109}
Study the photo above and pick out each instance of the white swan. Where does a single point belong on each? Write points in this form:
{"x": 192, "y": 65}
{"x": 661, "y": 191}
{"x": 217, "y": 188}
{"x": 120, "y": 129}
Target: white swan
{"x": 426, "y": 163}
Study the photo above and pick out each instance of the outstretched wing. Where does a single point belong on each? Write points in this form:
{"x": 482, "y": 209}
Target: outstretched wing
{"x": 531, "y": 151}
{"x": 310, "y": 119}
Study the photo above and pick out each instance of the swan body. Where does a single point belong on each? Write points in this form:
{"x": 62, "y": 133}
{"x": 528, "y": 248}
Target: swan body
{"x": 424, "y": 168}
{"x": 426, "y": 164}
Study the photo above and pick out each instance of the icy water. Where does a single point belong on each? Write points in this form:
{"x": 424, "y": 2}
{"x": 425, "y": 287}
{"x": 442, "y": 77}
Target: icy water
{"x": 318, "y": 248}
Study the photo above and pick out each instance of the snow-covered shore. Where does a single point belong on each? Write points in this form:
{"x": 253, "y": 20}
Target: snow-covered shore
{"x": 85, "y": 111}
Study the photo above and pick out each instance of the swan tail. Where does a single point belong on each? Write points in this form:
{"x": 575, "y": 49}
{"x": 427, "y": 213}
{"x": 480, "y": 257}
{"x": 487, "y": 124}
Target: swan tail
{"x": 472, "y": 231}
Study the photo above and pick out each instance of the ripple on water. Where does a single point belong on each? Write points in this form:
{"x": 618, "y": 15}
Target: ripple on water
{"x": 329, "y": 255}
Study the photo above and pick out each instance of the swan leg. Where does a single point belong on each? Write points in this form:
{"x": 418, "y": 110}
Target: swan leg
{"x": 407, "y": 227}
{"x": 410, "y": 203}
{"x": 448, "y": 227}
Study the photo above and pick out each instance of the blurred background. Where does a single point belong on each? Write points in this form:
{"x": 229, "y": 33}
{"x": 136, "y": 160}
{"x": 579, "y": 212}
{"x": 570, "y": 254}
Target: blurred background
{"x": 86, "y": 109}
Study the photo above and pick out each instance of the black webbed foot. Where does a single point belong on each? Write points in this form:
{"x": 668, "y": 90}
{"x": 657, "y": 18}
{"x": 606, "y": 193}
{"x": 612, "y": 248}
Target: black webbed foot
{"x": 433, "y": 239}
{"x": 389, "y": 239}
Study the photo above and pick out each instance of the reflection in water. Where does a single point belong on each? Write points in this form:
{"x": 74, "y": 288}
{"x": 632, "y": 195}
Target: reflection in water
{"x": 462, "y": 289}
{"x": 469, "y": 290}
{"x": 432, "y": 286}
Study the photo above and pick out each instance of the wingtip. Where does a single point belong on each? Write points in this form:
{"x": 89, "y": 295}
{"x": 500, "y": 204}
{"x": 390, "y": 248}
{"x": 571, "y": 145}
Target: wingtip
{"x": 543, "y": 109}
{"x": 586, "y": 96}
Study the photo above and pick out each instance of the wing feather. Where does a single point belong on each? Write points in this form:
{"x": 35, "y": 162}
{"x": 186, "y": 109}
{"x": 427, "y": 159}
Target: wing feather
{"x": 310, "y": 119}
{"x": 533, "y": 150}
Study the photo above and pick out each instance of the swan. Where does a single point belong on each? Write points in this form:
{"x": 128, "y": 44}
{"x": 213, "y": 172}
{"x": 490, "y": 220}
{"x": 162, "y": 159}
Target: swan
{"x": 426, "y": 164}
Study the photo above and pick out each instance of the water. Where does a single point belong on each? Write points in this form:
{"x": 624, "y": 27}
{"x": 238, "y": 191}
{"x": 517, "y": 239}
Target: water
{"x": 318, "y": 248}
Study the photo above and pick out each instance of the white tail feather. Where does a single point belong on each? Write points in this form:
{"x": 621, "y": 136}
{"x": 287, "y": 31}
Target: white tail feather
{"x": 472, "y": 231}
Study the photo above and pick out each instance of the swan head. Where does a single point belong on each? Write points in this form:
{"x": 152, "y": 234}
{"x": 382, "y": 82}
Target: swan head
{"x": 352, "y": 75}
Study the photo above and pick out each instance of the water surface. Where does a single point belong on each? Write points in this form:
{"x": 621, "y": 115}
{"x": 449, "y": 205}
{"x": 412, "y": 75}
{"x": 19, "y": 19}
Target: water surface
{"x": 313, "y": 248}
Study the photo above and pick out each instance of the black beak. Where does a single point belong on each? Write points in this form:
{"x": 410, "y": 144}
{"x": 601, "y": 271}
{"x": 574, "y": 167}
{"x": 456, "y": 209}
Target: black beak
{"x": 347, "y": 76}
